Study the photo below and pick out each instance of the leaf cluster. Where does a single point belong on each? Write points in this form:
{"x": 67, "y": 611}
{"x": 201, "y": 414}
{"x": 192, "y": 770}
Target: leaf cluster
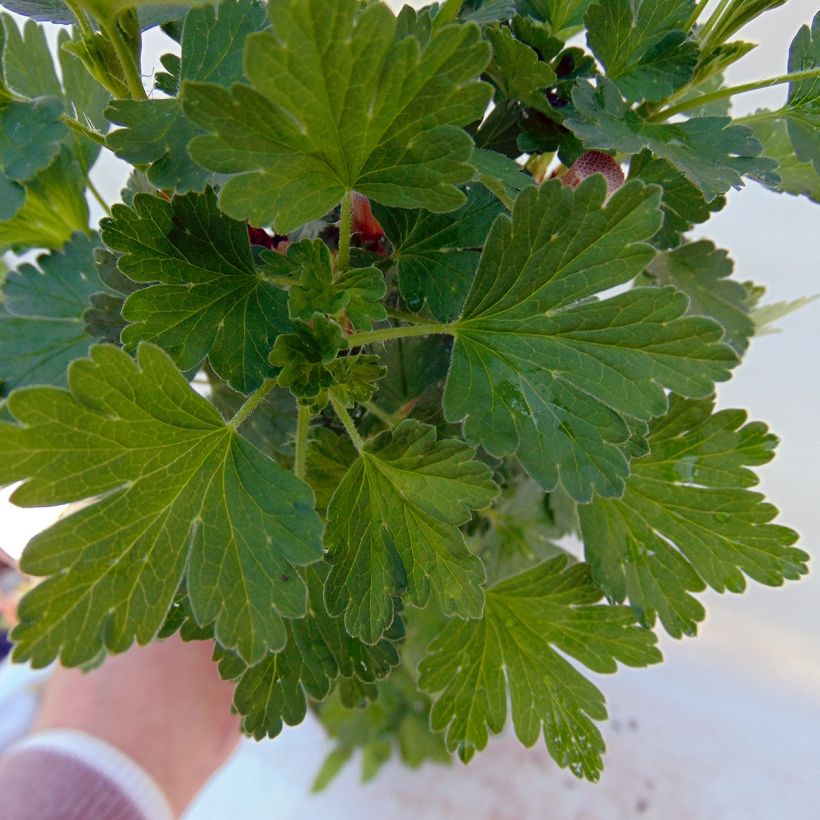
{"x": 377, "y": 333}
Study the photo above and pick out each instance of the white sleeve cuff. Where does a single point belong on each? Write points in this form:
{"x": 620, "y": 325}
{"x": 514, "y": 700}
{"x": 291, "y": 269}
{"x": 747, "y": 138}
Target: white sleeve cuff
{"x": 109, "y": 761}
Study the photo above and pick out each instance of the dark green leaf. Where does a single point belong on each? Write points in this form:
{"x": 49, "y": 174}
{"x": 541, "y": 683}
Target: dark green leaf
{"x": 27, "y": 63}
{"x": 517, "y": 71}
{"x": 318, "y": 651}
{"x": 316, "y": 289}
{"x": 209, "y": 300}
{"x": 501, "y": 175}
{"x": 702, "y": 272}
{"x": 41, "y": 325}
{"x": 688, "y": 518}
{"x": 30, "y": 135}
{"x": 542, "y": 369}
{"x": 158, "y": 131}
{"x": 329, "y": 457}
{"x": 803, "y": 103}
{"x": 436, "y": 253}
{"x": 643, "y": 45}
{"x": 182, "y": 495}
{"x": 393, "y": 529}
{"x": 682, "y": 202}
{"x": 709, "y": 151}
{"x": 795, "y": 177}
{"x": 390, "y": 129}
{"x": 512, "y": 653}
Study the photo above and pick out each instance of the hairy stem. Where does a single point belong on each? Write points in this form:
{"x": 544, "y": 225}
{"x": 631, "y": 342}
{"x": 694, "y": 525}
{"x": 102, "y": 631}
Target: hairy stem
{"x": 131, "y": 70}
{"x": 251, "y": 403}
{"x": 281, "y": 281}
{"x": 344, "y": 418}
{"x": 404, "y": 316}
{"x": 696, "y": 14}
{"x": 76, "y": 125}
{"x": 368, "y": 337}
{"x": 300, "y": 449}
{"x": 711, "y": 22}
{"x": 730, "y": 91}
{"x": 345, "y": 220}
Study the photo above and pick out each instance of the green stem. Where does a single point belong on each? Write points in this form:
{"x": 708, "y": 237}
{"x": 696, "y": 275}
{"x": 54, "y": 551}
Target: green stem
{"x": 344, "y": 418}
{"x": 300, "y": 450}
{"x": 76, "y": 125}
{"x": 382, "y": 415}
{"x": 130, "y": 68}
{"x": 97, "y": 195}
{"x": 730, "y": 91}
{"x": 82, "y": 20}
{"x": 404, "y": 316}
{"x": 710, "y": 24}
{"x": 696, "y": 14}
{"x": 368, "y": 337}
{"x": 251, "y": 403}
{"x": 345, "y": 220}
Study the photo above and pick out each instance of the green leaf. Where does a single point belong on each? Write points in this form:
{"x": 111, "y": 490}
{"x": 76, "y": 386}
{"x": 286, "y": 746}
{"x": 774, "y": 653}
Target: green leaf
{"x": 30, "y": 135}
{"x": 209, "y": 300}
{"x": 392, "y": 529}
{"x": 53, "y": 207}
{"x": 270, "y": 428}
{"x": 316, "y": 289}
{"x": 27, "y": 63}
{"x": 41, "y": 325}
{"x": 803, "y": 102}
{"x": 501, "y": 175}
{"x": 182, "y": 496}
{"x": 312, "y": 369}
{"x": 390, "y": 129}
{"x": 542, "y": 369}
{"x": 56, "y": 11}
{"x": 157, "y": 132}
{"x": 517, "y": 70}
{"x": 560, "y": 14}
{"x": 702, "y": 272}
{"x": 329, "y": 457}
{"x": 710, "y": 152}
{"x": 643, "y": 45}
{"x": 682, "y": 202}
{"x": 795, "y": 177}
{"x": 512, "y": 653}
{"x": 318, "y": 651}
{"x": 110, "y": 9}
{"x": 103, "y": 319}
{"x": 688, "y": 519}
{"x": 525, "y": 525}
{"x": 436, "y": 254}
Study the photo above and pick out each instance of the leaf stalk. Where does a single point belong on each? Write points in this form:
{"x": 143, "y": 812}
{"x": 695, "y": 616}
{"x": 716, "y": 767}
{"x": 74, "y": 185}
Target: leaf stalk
{"x": 369, "y": 337}
{"x": 251, "y": 403}
{"x": 347, "y": 422}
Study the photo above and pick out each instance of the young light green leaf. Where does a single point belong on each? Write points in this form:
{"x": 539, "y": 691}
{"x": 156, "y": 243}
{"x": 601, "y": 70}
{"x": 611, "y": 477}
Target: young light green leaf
{"x": 41, "y": 324}
{"x": 710, "y": 152}
{"x": 688, "y": 519}
{"x": 393, "y": 529}
{"x": 542, "y": 369}
{"x": 315, "y": 289}
{"x": 209, "y": 300}
{"x": 157, "y": 132}
{"x": 436, "y": 254}
{"x": 181, "y": 496}
{"x": 49, "y": 209}
{"x": 702, "y": 272}
{"x": 318, "y": 651}
{"x": 513, "y": 653}
{"x": 643, "y": 45}
{"x": 682, "y": 202}
{"x": 336, "y": 104}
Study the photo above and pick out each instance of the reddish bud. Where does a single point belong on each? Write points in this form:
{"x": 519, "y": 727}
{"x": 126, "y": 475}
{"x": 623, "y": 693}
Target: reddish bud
{"x": 595, "y": 162}
{"x": 364, "y": 223}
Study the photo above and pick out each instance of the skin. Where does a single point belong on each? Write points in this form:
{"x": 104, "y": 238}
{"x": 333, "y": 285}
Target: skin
{"x": 163, "y": 705}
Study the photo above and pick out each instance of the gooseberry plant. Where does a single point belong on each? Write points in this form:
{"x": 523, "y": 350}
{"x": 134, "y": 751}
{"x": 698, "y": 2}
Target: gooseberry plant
{"x": 392, "y": 306}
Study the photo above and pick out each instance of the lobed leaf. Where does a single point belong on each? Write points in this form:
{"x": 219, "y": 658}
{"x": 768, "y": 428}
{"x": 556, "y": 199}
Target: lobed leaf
{"x": 180, "y": 496}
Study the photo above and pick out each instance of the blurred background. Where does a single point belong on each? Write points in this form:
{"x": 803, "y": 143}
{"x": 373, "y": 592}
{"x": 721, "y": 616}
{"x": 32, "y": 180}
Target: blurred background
{"x": 728, "y": 726}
